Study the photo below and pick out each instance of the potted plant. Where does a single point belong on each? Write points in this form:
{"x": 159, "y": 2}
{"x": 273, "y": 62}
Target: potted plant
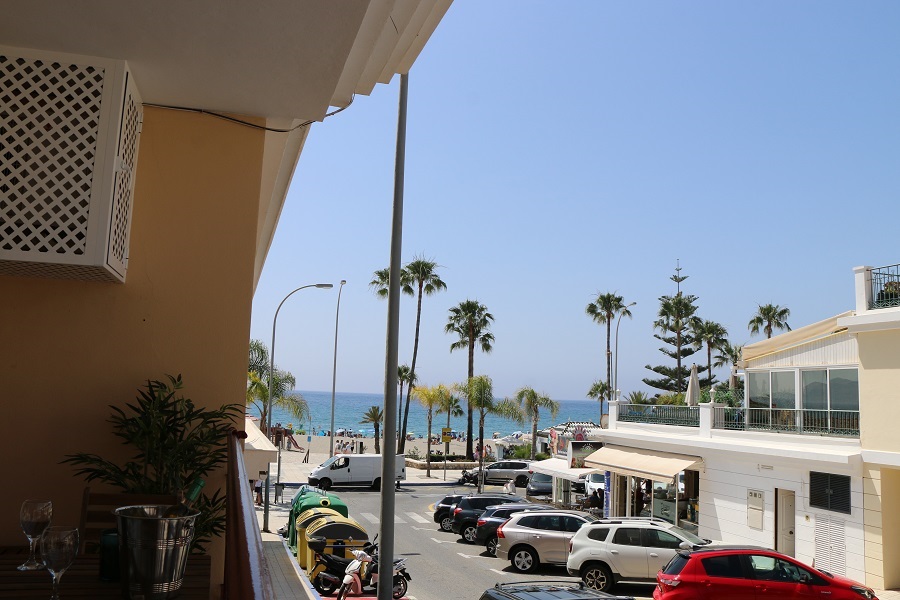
{"x": 173, "y": 443}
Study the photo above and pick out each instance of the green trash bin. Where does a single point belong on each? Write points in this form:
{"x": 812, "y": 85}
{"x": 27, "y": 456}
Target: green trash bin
{"x": 309, "y": 497}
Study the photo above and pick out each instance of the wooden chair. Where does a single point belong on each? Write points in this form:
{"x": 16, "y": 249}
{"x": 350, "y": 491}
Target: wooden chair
{"x": 97, "y": 513}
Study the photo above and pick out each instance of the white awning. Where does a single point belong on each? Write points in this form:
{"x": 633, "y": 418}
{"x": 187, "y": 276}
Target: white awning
{"x": 558, "y": 467}
{"x": 258, "y": 450}
{"x": 638, "y": 462}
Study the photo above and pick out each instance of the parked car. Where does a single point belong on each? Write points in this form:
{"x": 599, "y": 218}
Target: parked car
{"x": 528, "y": 539}
{"x": 502, "y": 471}
{"x": 715, "y": 572}
{"x": 594, "y": 481}
{"x": 540, "y": 484}
{"x": 495, "y": 516}
{"x": 546, "y": 590}
{"x": 469, "y": 508}
{"x": 632, "y": 549}
{"x": 442, "y": 515}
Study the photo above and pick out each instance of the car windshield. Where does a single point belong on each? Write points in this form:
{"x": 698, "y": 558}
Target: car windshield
{"x": 596, "y": 477}
{"x": 689, "y": 536}
{"x": 541, "y": 478}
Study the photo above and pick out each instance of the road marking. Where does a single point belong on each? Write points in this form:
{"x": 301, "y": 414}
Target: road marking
{"x": 422, "y": 528}
{"x": 398, "y": 519}
{"x": 499, "y": 572}
{"x": 443, "y": 541}
{"x": 469, "y": 555}
{"x": 370, "y": 517}
{"x": 417, "y": 518}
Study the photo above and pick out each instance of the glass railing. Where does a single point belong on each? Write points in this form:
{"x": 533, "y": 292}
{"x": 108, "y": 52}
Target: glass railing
{"x": 885, "y": 287}
{"x": 686, "y": 416}
{"x": 816, "y": 422}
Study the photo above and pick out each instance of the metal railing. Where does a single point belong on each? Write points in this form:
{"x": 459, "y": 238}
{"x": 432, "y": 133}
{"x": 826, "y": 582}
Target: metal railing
{"x": 724, "y": 396}
{"x": 817, "y": 422}
{"x": 885, "y": 287}
{"x": 660, "y": 414}
{"x": 246, "y": 570}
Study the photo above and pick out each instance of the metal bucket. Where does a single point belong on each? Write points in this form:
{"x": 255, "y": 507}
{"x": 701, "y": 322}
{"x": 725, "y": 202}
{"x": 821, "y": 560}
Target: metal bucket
{"x": 153, "y": 551}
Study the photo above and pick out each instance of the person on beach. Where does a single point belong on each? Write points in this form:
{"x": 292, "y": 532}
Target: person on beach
{"x": 257, "y": 487}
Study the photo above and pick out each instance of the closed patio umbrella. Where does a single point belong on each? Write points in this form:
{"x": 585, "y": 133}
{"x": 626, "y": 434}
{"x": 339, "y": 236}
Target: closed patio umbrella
{"x": 692, "y": 395}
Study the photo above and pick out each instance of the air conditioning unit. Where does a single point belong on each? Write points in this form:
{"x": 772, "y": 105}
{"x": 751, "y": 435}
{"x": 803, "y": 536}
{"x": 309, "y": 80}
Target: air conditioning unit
{"x": 69, "y": 133}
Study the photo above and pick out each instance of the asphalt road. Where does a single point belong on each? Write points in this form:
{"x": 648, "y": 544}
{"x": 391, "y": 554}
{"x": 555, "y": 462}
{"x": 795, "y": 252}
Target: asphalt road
{"x": 442, "y": 566}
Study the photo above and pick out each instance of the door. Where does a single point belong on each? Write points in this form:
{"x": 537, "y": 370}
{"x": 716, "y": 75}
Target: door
{"x": 784, "y": 521}
{"x": 551, "y": 539}
{"x": 725, "y": 577}
{"x": 627, "y": 553}
{"x": 661, "y": 547}
{"x": 340, "y": 470}
{"x": 778, "y": 578}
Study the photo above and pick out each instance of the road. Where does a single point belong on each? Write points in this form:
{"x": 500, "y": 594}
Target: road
{"x": 441, "y": 564}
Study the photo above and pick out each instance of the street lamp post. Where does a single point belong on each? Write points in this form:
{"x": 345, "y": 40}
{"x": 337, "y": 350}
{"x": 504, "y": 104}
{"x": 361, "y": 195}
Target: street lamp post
{"x": 616, "y": 371}
{"x": 337, "y": 316}
{"x": 325, "y": 286}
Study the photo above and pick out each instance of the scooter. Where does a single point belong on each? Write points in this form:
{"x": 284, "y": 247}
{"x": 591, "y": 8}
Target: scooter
{"x": 468, "y": 477}
{"x": 329, "y": 569}
{"x": 363, "y": 572}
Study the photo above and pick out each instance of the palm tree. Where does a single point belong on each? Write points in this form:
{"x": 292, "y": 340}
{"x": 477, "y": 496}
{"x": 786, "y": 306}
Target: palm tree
{"x": 603, "y": 310}
{"x": 452, "y": 407}
{"x": 404, "y": 376}
{"x": 282, "y": 382}
{"x": 479, "y": 392}
{"x": 637, "y": 398}
{"x": 599, "y": 390}
{"x": 381, "y": 280}
{"x": 431, "y": 398}
{"x": 421, "y": 278}
{"x": 769, "y": 318}
{"x": 374, "y": 416}
{"x": 713, "y": 335}
{"x": 471, "y": 321}
{"x": 729, "y": 355}
{"x": 531, "y": 403}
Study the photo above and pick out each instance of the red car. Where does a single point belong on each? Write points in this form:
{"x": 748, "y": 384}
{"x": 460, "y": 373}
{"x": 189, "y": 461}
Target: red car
{"x": 748, "y": 573}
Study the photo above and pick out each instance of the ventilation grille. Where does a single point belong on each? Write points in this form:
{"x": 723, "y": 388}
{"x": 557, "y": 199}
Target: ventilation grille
{"x": 49, "y": 121}
{"x": 69, "y": 136}
{"x": 830, "y": 546}
{"x": 828, "y": 491}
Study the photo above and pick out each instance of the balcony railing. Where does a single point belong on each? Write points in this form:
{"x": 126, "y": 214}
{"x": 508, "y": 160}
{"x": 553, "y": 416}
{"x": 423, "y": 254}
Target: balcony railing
{"x": 685, "y": 416}
{"x": 815, "y": 422}
{"x": 885, "y": 287}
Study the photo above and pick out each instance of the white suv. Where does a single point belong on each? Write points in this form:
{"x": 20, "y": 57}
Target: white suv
{"x": 631, "y": 549}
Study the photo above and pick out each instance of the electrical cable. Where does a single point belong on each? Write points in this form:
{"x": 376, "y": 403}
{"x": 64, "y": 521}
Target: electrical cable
{"x": 247, "y": 123}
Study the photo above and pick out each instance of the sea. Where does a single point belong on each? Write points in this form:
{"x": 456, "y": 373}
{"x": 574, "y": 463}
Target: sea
{"x": 349, "y": 409}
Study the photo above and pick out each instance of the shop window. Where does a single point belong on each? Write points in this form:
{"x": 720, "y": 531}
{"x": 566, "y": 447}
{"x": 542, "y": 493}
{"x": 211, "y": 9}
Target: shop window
{"x": 830, "y": 492}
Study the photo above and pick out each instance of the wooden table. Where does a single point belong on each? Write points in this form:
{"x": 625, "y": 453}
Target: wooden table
{"x": 82, "y": 579}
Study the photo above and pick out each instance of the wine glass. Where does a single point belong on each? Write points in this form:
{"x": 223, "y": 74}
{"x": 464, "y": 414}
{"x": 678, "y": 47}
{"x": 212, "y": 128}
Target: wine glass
{"x": 59, "y": 545}
{"x": 35, "y": 518}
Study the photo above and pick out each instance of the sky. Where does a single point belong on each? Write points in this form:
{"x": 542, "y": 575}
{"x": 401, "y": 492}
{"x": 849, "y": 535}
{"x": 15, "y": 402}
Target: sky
{"x": 556, "y": 151}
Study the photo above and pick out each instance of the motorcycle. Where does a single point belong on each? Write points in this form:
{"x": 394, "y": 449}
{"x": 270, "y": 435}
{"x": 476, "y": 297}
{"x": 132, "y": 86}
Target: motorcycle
{"x": 469, "y": 477}
{"x": 353, "y": 575}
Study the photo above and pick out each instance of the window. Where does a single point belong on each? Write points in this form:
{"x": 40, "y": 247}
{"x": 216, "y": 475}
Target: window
{"x": 530, "y": 522}
{"x": 598, "y": 533}
{"x": 758, "y": 384}
{"x": 654, "y": 538}
{"x": 723, "y": 566}
{"x": 550, "y": 523}
{"x": 626, "y": 536}
{"x": 814, "y": 389}
{"x": 573, "y": 524}
{"x": 828, "y": 491}
{"x": 769, "y": 568}
{"x": 844, "y": 387}
{"x": 784, "y": 394}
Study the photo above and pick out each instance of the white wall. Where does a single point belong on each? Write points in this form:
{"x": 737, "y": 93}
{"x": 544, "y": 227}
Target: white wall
{"x": 723, "y": 505}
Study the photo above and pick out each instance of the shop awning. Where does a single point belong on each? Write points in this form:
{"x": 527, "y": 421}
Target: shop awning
{"x": 638, "y": 462}
{"x": 258, "y": 450}
{"x": 558, "y": 467}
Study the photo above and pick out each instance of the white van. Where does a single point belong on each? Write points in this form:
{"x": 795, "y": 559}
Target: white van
{"x": 354, "y": 469}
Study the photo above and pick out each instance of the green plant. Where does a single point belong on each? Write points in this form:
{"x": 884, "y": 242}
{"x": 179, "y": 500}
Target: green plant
{"x": 413, "y": 453}
{"x": 174, "y": 443}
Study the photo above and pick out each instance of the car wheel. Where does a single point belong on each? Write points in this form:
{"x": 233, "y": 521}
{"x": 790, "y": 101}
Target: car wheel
{"x": 376, "y": 485}
{"x": 492, "y": 546}
{"x": 597, "y": 576}
{"x": 521, "y": 481}
{"x": 325, "y": 484}
{"x": 468, "y": 533}
{"x": 447, "y": 523}
{"x": 524, "y": 559}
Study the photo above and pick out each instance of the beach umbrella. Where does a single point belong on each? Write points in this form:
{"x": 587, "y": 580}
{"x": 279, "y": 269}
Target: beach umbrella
{"x": 692, "y": 395}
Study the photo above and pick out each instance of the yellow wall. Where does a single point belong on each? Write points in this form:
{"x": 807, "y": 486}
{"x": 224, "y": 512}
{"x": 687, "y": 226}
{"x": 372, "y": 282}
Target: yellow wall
{"x": 71, "y": 348}
{"x": 879, "y": 390}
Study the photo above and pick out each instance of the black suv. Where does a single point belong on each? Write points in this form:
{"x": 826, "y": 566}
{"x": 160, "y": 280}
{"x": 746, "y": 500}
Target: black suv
{"x": 469, "y": 508}
{"x": 442, "y": 514}
{"x": 546, "y": 590}
{"x": 495, "y": 516}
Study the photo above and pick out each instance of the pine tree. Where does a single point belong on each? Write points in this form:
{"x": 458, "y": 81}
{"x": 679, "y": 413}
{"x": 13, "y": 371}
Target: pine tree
{"x": 676, "y": 322}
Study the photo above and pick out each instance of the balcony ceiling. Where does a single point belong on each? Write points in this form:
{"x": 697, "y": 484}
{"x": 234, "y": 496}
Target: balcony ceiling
{"x": 276, "y": 59}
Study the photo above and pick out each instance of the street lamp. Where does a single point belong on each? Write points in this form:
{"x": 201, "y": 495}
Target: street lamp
{"x": 324, "y": 286}
{"x": 616, "y": 371}
{"x": 337, "y": 315}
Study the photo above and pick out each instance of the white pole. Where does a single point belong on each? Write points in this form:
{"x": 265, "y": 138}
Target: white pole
{"x": 337, "y": 316}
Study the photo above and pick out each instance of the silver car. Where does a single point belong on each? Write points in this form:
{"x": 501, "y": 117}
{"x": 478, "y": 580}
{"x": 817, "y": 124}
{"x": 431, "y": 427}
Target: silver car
{"x": 502, "y": 471}
{"x": 529, "y": 539}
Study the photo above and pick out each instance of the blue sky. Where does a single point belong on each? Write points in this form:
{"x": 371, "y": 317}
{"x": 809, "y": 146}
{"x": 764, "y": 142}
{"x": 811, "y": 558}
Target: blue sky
{"x": 557, "y": 150}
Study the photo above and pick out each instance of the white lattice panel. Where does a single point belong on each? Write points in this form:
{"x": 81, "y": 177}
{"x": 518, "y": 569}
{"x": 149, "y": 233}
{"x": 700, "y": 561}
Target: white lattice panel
{"x": 830, "y": 544}
{"x": 69, "y": 132}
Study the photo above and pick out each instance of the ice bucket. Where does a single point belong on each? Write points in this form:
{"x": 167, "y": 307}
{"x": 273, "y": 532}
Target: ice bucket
{"x": 153, "y": 551}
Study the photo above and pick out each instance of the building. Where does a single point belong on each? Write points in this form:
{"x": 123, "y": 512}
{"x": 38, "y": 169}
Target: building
{"x": 802, "y": 462}
{"x": 146, "y": 150}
